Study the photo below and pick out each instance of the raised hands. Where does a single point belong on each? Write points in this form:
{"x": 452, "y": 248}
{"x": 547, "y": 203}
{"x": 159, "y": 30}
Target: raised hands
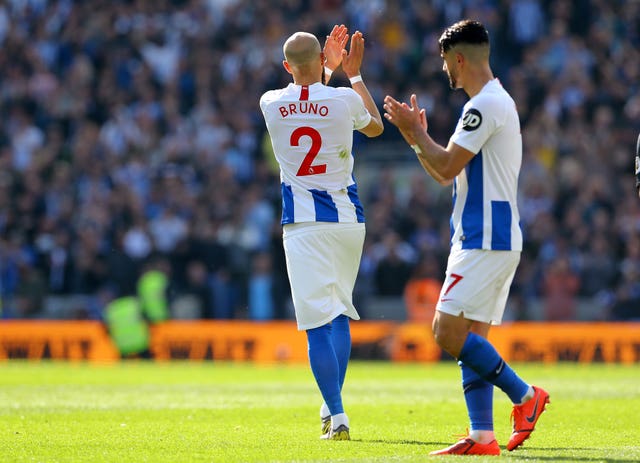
{"x": 334, "y": 45}
{"x": 412, "y": 123}
{"x": 335, "y": 52}
{"x": 409, "y": 120}
{"x": 352, "y": 60}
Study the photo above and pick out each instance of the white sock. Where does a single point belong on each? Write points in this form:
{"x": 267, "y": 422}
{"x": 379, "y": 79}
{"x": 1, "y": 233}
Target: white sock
{"x": 528, "y": 396}
{"x": 324, "y": 410}
{"x": 339, "y": 419}
{"x": 482, "y": 436}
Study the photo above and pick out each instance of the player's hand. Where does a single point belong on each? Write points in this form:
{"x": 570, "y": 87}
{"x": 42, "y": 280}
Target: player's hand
{"x": 408, "y": 119}
{"x": 423, "y": 122}
{"x": 352, "y": 61}
{"x": 333, "y": 46}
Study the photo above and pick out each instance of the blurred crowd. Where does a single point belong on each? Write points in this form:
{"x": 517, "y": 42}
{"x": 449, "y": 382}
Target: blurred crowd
{"x": 131, "y": 140}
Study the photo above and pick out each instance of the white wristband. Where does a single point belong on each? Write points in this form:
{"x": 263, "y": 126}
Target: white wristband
{"x": 355, "y": 79}
{"x": 416, "y": 148}
{"x": 327, "y": 72}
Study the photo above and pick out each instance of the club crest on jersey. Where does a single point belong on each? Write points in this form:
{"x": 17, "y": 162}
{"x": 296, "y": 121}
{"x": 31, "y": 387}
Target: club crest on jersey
{"x": 471, "y": 120}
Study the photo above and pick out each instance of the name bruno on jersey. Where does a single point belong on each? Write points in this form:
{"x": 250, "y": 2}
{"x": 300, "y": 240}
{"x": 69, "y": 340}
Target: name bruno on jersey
{"x": 304, "y": 107}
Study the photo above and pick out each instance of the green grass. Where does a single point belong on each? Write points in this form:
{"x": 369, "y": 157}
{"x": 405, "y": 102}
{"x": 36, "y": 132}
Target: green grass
{"x": 181, "y": 412}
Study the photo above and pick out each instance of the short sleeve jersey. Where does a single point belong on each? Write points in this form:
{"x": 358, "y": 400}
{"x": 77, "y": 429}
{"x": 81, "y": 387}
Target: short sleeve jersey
{"x": 311, "y": 130}
{"x": 485, "y": 211}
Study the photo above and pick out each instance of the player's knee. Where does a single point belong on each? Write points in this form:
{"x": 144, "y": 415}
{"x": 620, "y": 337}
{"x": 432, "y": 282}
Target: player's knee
{"x": 449, "y": 338}
{"x": 442, "y": 336}
{"x": 439, "y": 338}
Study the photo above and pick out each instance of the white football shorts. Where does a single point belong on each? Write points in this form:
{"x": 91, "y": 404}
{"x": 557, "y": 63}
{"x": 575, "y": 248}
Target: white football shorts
{"x": 477, "y": 284}
{"x": 323, "y": 259}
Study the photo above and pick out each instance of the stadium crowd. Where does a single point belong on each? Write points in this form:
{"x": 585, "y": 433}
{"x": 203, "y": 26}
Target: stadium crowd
{"x": 131, "y": 138}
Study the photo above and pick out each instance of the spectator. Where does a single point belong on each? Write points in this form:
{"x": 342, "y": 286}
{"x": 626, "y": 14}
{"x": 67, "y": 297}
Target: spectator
{"x": 261, "y": 288}
{"x": 395, "y": 259}
{"x": 560, "y": 285}
{"x": 127, "y": 127}
{"x": 193, "y": 300}
{"x": 422, "y": 291}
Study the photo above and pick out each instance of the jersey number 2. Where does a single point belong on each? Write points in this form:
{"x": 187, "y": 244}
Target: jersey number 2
{"x": 306, "y": 168}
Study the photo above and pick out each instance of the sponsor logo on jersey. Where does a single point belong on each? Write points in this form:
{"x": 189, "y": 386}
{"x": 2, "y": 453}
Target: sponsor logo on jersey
{"x": 471, "y": 120}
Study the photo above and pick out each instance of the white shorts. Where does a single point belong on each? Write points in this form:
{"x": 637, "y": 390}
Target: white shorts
{"x": 322, "y": 262}
{"x": 477, "y": 284}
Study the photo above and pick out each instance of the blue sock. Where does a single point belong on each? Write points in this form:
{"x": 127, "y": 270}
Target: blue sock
{"x": 324, "y": 365}
{"x": 341, "y": 338}
{"x": 478, "y": 354}
{"x": 478, "y": 394}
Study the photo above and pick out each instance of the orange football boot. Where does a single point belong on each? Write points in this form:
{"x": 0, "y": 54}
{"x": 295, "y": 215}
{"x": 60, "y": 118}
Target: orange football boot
{"x": 468, "y": 446}
{"x": 524, "y": 417}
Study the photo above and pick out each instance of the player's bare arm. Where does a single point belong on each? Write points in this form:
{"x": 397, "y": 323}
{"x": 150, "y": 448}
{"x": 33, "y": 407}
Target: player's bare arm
{"x": 411, "y": 142}
{"x": 443, "y": 164}
{"x": 351, "y": 62}
{"x": 333, "y": 46}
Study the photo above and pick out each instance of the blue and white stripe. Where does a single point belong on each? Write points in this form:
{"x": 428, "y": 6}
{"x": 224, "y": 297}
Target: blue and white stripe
{"x": 478, "y": 223}
{"x": 302, "y": 205}
{"x": 485, "y": 209}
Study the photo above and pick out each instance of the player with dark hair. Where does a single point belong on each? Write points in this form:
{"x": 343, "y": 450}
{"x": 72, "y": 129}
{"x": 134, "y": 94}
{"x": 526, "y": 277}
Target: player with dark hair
{"x": 482, "y": 159}
{"x": 311, "y": 128}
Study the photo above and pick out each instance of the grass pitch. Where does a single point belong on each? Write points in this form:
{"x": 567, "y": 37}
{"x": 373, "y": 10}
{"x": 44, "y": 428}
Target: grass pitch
{"x": 141, "y": 411}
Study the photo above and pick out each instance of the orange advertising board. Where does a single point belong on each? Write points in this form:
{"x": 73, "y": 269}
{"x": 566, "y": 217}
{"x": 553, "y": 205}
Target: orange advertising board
{"x": 280, "y": 341}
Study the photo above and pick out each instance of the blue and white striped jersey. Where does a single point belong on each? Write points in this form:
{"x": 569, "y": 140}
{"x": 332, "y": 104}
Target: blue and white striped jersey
{"x": 485, "y": 211}
{"x": 311, "y": 129}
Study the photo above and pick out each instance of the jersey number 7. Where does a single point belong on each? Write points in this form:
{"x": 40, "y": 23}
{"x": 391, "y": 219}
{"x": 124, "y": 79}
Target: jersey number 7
{"x": 306, "y": 168}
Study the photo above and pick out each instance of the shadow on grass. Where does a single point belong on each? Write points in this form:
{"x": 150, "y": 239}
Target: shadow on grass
{"x": 572, "y": 457}
{"x": 399, "y": 442}
{"x": 517, "y": 454}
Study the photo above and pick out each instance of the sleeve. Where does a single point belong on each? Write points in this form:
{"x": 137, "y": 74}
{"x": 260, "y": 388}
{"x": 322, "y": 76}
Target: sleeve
{"x": 480, "y": 119}
{"x": 359, "y": 114}
{"x": 263, "y": 101}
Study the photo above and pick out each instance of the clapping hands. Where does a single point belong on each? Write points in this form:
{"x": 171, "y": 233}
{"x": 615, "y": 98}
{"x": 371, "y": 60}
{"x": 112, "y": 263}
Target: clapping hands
{"x": 334, "y": 45}
{"x": 336, "y": 54}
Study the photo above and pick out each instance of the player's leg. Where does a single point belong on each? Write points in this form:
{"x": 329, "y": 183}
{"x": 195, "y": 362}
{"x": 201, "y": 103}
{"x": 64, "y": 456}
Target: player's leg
{"x": 341, "y": 339}
{"x": 325, "y": 367}
{"x": 346, "y": 243}
{"x": 476, "y": 280}
{"x": 322, "y": 263}
{"x": 478, "y": 396}
{"x": 478, "y": 391}
{"x": 474, "y": 296}
{"x": 310, "y": 269}
{"x": 529, "y": 401}
{"x": 454, "y": 335}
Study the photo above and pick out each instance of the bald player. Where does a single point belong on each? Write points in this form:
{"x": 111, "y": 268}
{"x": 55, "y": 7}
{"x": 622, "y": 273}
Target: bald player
{"x": 311, "y": 129}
